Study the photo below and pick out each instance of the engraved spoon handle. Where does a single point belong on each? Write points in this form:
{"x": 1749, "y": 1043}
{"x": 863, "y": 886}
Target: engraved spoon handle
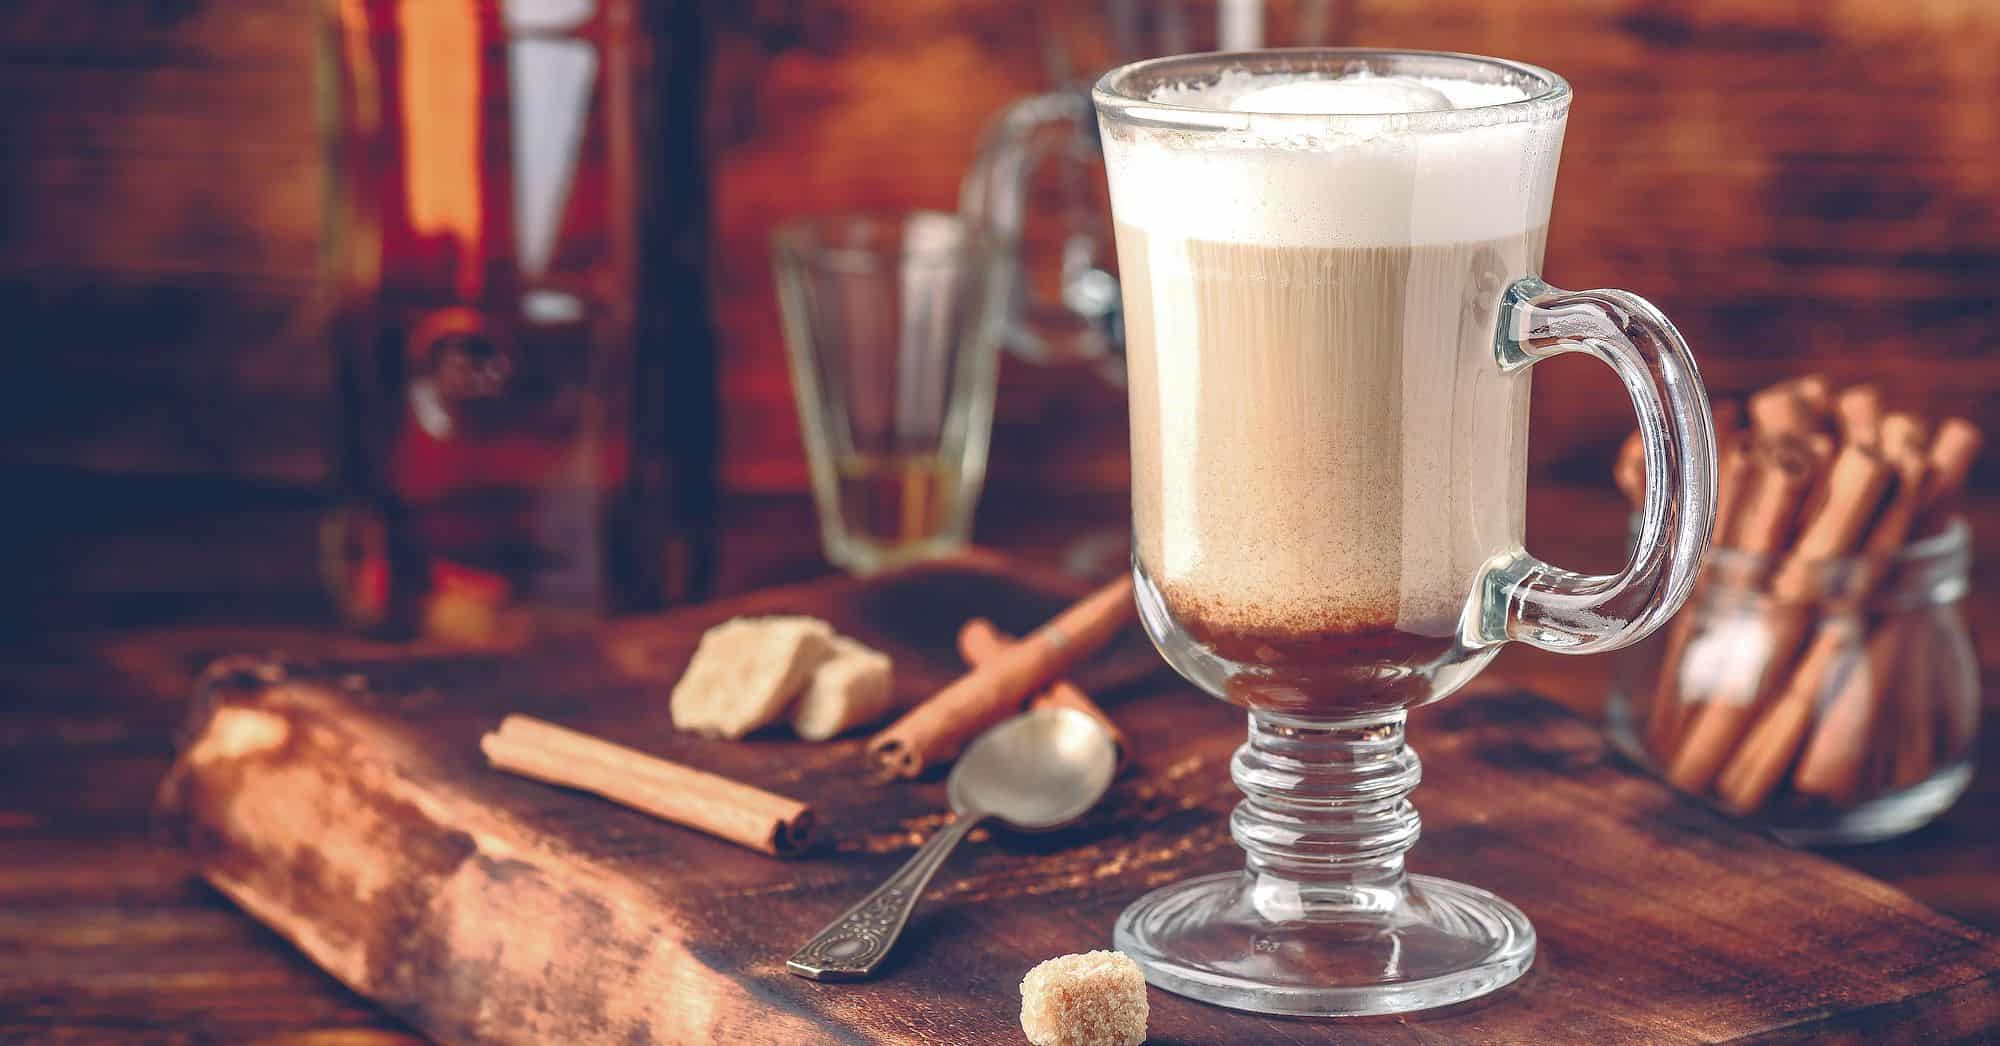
{"x": 853, "y": 945}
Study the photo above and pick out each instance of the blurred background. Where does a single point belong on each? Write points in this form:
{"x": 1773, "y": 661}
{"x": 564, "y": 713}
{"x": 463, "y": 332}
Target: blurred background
{"x": 1800, "y": 185}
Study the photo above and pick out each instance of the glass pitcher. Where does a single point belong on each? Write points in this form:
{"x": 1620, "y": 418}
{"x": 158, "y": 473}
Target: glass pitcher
{"x": 1041, "y": 157}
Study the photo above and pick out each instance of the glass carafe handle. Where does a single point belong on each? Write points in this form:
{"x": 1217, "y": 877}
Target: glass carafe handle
{"x": 1084, "y": 323}
{"x": 1525, "y": 599}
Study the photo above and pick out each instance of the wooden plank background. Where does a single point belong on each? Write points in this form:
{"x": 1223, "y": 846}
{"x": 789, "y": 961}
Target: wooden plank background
{"x": 1797, "y": 182}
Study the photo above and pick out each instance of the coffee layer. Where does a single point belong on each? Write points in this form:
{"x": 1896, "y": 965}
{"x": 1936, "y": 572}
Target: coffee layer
{"x": 1322, "y": 441}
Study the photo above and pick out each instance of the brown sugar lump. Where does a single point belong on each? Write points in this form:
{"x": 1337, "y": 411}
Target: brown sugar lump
{"x": 746, "y": 672}
{"x": 851, "y": 687}
{"x": 1093, "y": 999}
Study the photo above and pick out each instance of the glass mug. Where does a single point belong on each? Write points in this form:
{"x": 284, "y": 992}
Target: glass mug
{"x": 1330, "y": 323}
{"x": 1037, "y": 181}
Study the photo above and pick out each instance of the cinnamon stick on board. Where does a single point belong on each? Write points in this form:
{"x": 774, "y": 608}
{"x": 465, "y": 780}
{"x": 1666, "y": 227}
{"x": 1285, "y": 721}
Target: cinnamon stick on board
{"x": 741, "y": 813}
{"x": 939, "y": 728}
{"x": 980, "y": 641}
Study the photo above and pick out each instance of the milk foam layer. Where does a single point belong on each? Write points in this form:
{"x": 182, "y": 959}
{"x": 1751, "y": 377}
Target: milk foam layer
{"x": 1349, "y": 95}
{"x": 1349, "y": 181}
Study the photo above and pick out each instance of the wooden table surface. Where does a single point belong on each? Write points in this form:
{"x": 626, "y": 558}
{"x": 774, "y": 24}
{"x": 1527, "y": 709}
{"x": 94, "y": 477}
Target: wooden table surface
{"x": 106, "y": 934}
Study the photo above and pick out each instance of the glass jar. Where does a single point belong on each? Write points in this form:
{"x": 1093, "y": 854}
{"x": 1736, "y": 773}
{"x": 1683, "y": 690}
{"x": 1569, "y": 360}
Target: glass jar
{"x": 1847, "y": 717}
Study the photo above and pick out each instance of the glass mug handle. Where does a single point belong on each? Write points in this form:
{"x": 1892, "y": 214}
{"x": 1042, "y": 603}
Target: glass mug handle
{"x": 1531, "y": 601}
{"x": 1085, "y": 322}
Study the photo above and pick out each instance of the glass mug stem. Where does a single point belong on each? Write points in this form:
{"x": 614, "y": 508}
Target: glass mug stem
{"x": 1326, "y": 816}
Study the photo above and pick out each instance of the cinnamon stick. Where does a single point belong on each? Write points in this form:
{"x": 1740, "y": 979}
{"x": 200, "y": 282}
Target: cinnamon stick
{"x": 1728, "y": 418}
{"x": 980, "y": 641}
{"x": 1630, "y": 471}
{"x": 1903, "y": 447}
{"x": 1668, "y": 715}
{"x": 741, "y": 813}
{"x": 1772, "y": 744}
{"x": 1834, "y": 764}
{"x": 1791, "y": 408}
{"x": 1913, "y": 748}
{"x": 1854, "y": 488}
{"x": 938, "y": 729}
{"x": 1951, "y": 455}
{"x": 1774, "y": 486}
{"x": 1836, "y": 756}
{"x": 1813, "y": 390}
{"x": 1859, "y": 411}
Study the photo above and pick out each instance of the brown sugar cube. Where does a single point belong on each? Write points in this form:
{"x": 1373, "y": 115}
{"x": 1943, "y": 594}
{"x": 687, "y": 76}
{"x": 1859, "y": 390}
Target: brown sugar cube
{"x": 746, "y": 672}
{"x": 1093, "y": 999}
{"x": 851, "y": 687}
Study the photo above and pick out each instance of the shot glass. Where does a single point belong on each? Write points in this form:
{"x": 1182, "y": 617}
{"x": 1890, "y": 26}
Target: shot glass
{"x": 892, "y": 325}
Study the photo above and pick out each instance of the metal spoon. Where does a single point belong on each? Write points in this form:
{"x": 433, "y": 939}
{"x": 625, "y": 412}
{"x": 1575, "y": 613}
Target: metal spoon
{"x": 1037, "y": 772}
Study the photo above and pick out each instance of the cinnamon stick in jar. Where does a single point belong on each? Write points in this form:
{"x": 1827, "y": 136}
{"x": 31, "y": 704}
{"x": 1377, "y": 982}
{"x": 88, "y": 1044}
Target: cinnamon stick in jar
{"x": 741, "y": 813}
{"x": 1834, "y": 763}
{"x": 1952, "y": 452}
{"x": 1768, "y": 750}
{"x": 1630, "y": 471}
{"x": 1858, "y": 409}
{"x": 938, "y": 729}
{"x": 1728, "y": 418}
{"x": 1902, "y": 446}
{"x": 1667, "y": 716}
{"x": 1854, "y": 488}
{"x": 1815, "y": 391}
{"x": 980, "y": 641}
{"x": 1919, "y": 731}
{"x": 1853, "y": 493}
{"x": 1836, "y": 757}
{"x": 1710, "y": 723}
{"x": 1774, "y": 486}
{"x": 1791, "y": 408}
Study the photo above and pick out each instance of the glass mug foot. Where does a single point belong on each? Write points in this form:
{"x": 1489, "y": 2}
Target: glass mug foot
{"x": 1218, "y": 939}
{"x": 1323, "y": 920}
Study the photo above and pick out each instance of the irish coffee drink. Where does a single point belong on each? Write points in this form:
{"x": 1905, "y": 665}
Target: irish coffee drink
{"x": 1330, "y": 266}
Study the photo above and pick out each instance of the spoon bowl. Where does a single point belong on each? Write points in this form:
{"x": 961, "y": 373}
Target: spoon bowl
{"x": 1037, "y": 772}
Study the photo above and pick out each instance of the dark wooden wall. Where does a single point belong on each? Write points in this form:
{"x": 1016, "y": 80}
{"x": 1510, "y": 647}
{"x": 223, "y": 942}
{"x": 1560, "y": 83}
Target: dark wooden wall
{"x": 1799, "y": 183}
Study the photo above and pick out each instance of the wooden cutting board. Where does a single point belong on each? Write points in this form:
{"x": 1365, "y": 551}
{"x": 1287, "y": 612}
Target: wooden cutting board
{"x": 347, "y": 806}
